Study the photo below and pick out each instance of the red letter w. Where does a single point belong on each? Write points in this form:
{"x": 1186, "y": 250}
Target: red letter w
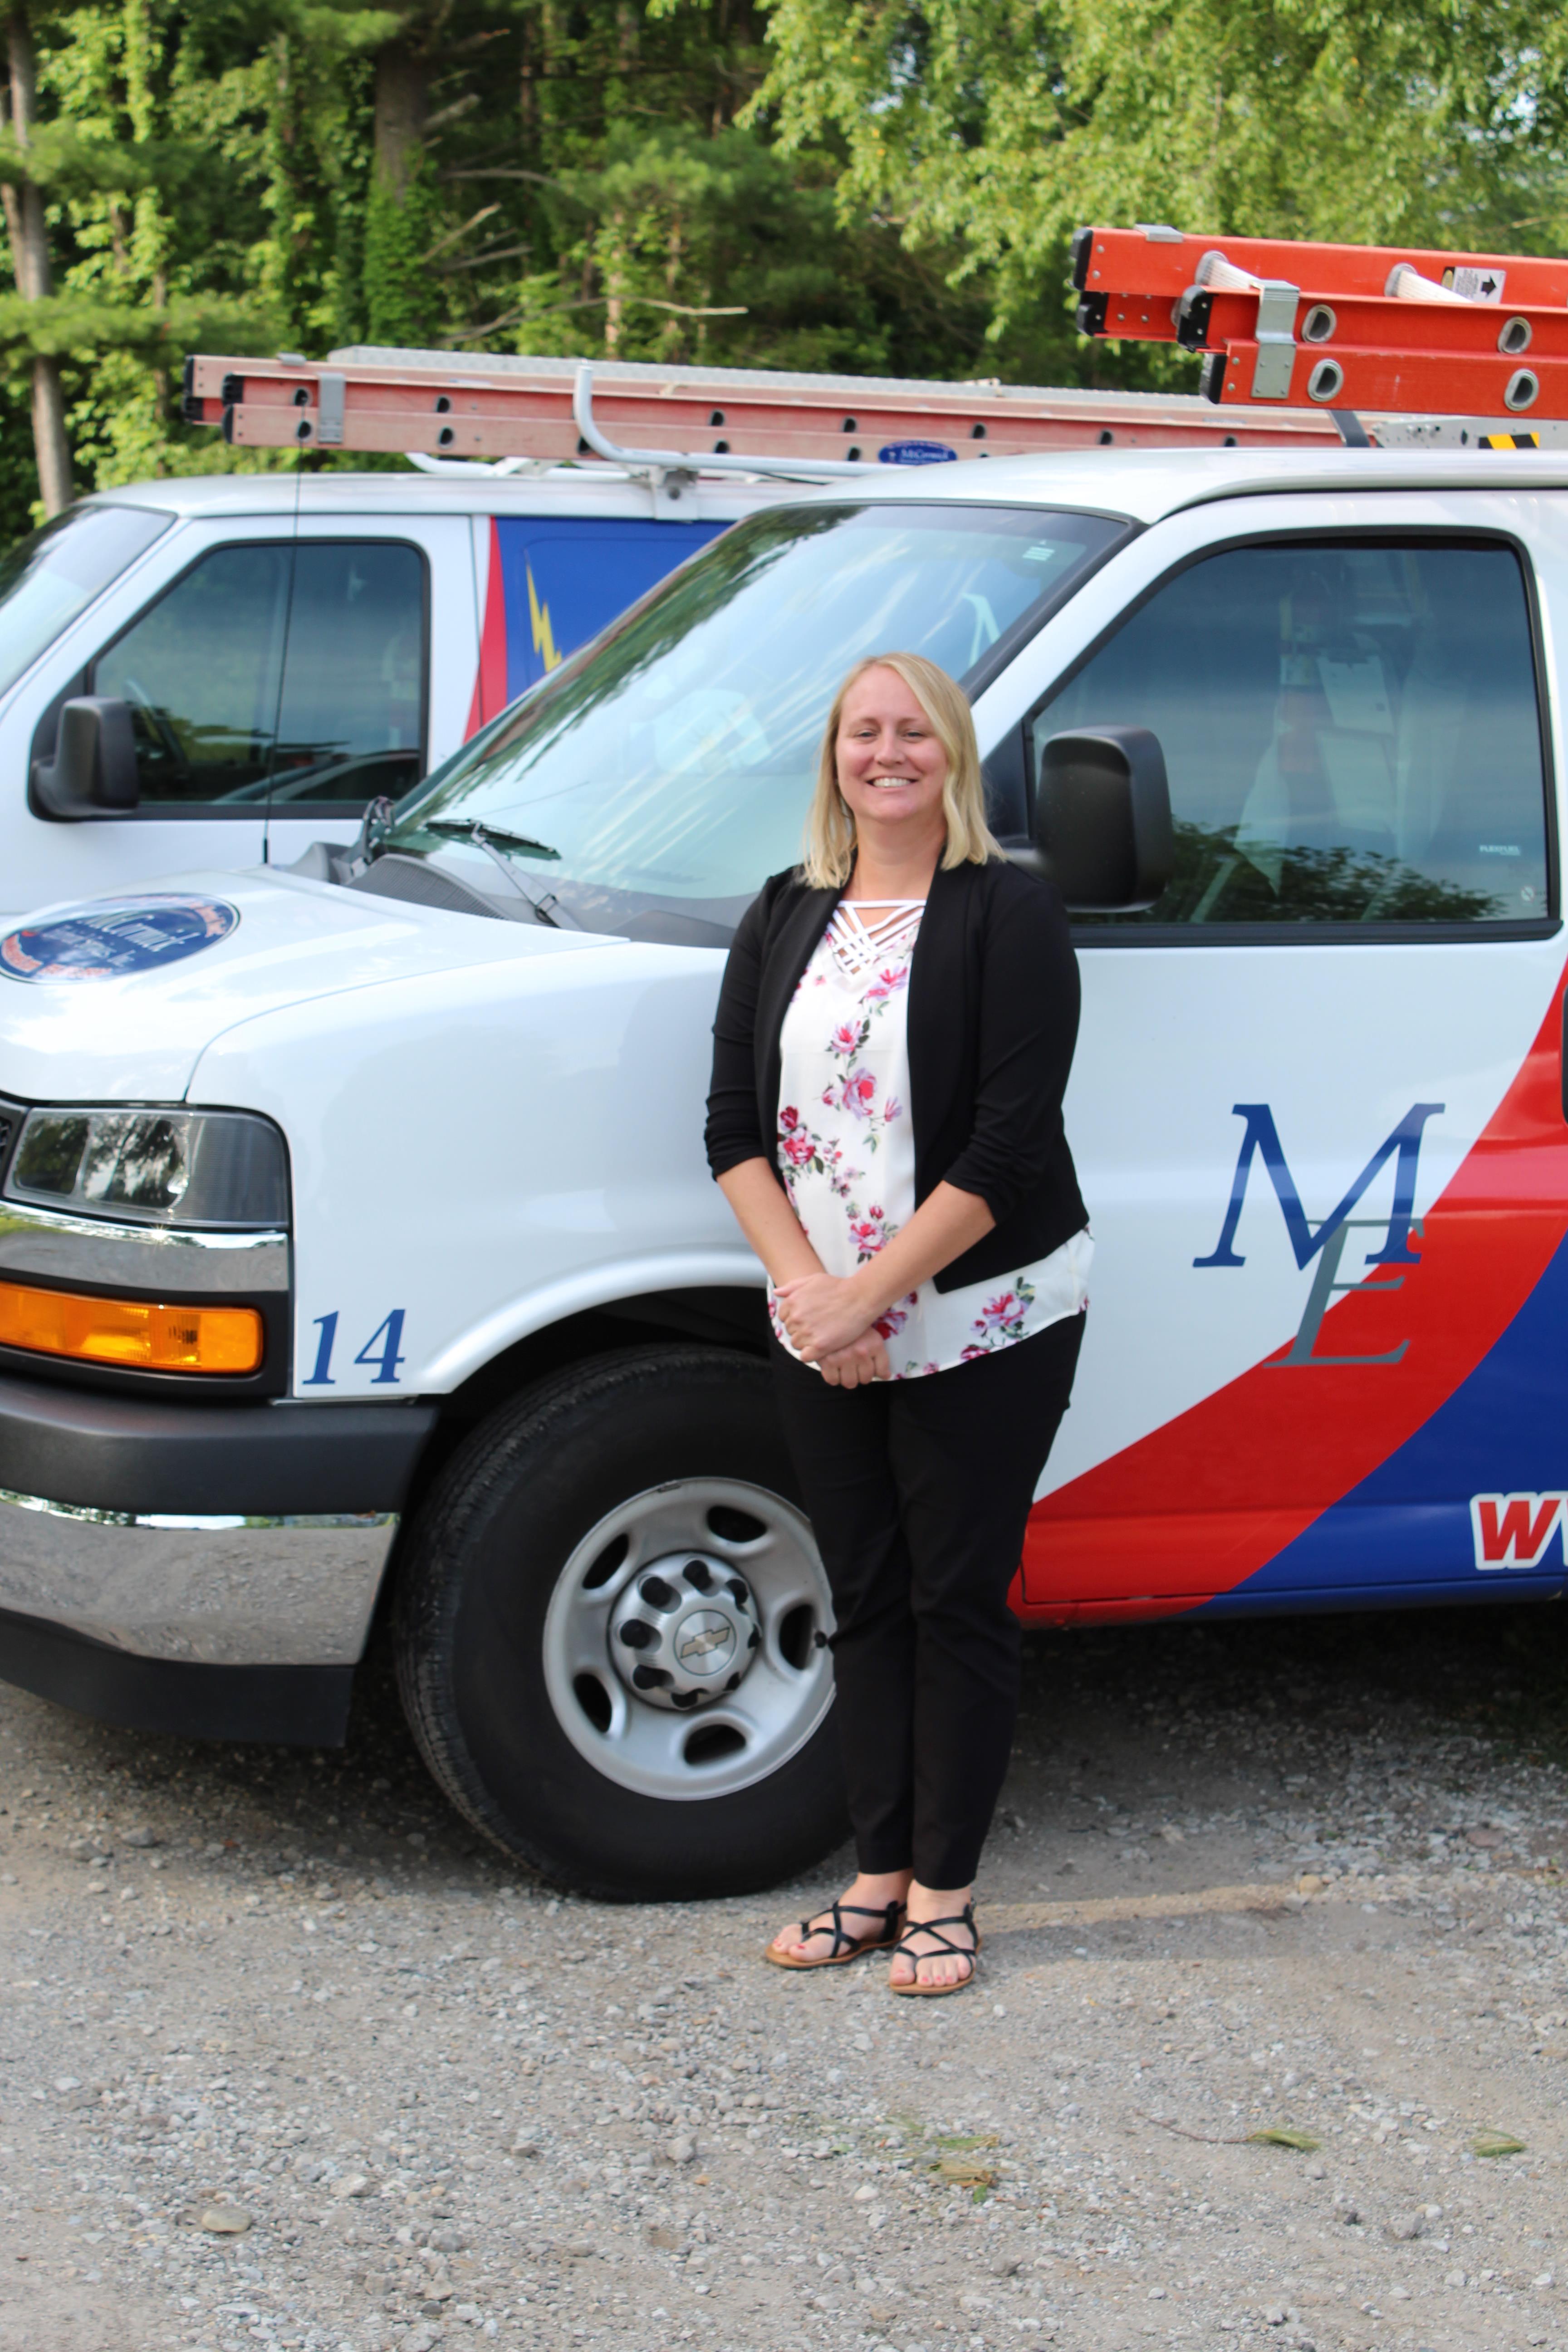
{"x": 1513, "y": 1530}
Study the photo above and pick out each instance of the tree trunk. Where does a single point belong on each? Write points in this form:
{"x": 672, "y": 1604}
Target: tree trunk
{"x": 528, "y": 94}
{"x": 673, "y": 339}
{"x": 615, "y": 283}
{"x": 402, "y": 105}
{"x": 30, "y": 262}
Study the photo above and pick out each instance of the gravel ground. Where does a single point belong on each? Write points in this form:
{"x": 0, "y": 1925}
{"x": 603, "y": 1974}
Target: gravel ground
{"x": 287, "y": 2059}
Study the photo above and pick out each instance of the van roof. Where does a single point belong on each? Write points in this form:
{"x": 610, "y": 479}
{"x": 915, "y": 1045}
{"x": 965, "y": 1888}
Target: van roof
{"x": 1145, "y": 485}
{"x": 580, "y": 491}
{"x": 1142, "y": 484}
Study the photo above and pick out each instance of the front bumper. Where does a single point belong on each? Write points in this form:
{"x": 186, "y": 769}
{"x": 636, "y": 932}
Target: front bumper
{"x": 188, "y": 1567}
{"x": 294, "y": 1589}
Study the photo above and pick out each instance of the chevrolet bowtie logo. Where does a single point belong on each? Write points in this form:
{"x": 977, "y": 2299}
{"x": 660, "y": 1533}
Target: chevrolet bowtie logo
{"x": 708, "y": 1634}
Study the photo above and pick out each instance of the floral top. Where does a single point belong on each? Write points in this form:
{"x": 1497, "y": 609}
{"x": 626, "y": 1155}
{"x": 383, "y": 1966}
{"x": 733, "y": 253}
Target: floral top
{"x": 847, "y": 1149}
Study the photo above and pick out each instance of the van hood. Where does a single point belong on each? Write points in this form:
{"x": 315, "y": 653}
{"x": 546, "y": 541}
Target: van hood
{"x": 115, "y": 999}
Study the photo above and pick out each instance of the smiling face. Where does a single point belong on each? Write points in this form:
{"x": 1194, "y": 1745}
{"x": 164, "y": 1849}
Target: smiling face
{"x": 891, "y": 762}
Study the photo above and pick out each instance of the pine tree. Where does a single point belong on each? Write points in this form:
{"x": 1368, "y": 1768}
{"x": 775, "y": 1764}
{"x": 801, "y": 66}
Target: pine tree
{"x": 24, "y": 203}
{"x": 63, "y": 174}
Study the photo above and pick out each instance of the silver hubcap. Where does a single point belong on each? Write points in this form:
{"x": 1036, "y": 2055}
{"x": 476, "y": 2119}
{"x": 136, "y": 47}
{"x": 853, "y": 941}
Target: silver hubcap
{"x": 725, "y": 1674}
{"x": 684, "y": 1631}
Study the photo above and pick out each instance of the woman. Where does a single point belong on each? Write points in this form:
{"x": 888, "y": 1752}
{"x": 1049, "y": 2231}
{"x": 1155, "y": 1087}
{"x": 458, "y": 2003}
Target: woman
{"x": 892, "y": 1042}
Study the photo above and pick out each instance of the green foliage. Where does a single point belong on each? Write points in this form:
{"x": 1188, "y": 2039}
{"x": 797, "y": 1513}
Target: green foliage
{"x": 847, "y": 185}
{"x": 501, "y": 174}
{"x": 402, "y": 302}
{"x": 71, "y": 324}
{"x": 1001, "y": 124}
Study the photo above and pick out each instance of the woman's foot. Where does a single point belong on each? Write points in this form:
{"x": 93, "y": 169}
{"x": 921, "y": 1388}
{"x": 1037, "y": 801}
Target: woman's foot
{"x": 863, "y": 1922}
{"x": 940, "y": 1945}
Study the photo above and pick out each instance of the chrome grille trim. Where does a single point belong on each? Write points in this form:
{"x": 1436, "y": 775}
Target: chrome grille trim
{"x": 63, "y": 1248}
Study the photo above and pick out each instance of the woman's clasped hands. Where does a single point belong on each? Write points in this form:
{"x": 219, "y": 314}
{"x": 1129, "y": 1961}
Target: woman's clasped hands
{"x": 832, "y": 1325}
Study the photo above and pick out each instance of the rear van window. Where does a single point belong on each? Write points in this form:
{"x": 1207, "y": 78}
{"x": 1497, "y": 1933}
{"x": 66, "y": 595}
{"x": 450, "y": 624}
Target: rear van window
{"x": 1351, "y": 729}
{"x": 53, "y": 574}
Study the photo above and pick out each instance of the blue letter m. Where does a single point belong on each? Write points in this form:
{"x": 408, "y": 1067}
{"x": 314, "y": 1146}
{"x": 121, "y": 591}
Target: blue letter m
{"x": 1262, "y": 1135}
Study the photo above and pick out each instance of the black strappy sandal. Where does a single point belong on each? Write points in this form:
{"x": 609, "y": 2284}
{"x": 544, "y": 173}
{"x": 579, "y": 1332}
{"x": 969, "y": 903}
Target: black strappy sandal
{"x": 964, "y": 1918}
{"x": 846, "y": 1947}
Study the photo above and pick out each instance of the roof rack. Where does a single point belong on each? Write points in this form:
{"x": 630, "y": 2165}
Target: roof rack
{"x": 1292, "y": 324}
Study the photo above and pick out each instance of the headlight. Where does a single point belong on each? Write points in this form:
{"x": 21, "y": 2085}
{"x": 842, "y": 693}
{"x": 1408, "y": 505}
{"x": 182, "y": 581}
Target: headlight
{"x": 224, "y": 1167}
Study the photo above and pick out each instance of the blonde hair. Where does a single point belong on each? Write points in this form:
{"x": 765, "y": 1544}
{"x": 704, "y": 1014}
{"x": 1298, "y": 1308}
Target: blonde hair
{"x": 829, "y": 846}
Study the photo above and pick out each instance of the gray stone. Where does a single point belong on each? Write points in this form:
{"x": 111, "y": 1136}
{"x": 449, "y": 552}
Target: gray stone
{"x": 226, "y": 2220}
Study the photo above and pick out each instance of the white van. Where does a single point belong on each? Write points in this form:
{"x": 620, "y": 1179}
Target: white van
{"x": 358, "y": 1258}
{"x": 266, "y": 654}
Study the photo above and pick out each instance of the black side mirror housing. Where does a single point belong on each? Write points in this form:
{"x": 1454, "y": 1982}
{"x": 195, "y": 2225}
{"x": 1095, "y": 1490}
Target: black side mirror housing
{"x": 1103, "y": 833}
{"x": 93, "y": 771}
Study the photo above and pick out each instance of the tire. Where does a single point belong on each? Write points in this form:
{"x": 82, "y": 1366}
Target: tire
{"x": 659, "y": 1471}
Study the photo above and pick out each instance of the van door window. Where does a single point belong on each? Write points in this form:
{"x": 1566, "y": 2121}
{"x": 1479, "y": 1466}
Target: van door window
{"x": 281, "y": 673}
{"x": 1350, "y": 730}
{"x": 351, "y": 725}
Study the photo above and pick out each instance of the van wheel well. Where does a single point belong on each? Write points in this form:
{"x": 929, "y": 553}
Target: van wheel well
{"x": 726, "y": 1318}
{"x": 611, "y": 1632}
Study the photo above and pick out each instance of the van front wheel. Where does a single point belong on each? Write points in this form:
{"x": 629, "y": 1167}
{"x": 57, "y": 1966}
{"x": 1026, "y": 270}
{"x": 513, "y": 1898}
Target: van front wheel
{"x": 611, "y": 1633}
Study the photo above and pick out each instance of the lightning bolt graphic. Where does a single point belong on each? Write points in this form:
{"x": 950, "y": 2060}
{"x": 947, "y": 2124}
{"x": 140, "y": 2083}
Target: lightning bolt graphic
{"x": 539, "y": 620}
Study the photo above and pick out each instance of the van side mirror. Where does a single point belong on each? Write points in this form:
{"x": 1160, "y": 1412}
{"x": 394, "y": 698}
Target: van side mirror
{"x": 1103, "y": 833}
{"x": 93, "y": 772}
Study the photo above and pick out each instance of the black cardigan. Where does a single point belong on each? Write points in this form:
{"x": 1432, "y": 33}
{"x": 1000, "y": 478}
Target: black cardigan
{"x": 993, "y": 1021}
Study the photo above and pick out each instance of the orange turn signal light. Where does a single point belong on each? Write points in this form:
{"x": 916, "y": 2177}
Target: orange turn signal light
{"x": 138, "y": 1333}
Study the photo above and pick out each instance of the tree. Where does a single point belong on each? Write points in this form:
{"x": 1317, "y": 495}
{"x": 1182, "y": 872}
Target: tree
{"x": 999, "y": 125}
{"x": 24, "y": 203}
{"x": 853, "y": 185}
{"x": 72, "y": 171}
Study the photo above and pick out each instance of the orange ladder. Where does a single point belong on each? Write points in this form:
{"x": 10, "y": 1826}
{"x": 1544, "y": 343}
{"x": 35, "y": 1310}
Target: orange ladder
{"x": 1285, "y": 324}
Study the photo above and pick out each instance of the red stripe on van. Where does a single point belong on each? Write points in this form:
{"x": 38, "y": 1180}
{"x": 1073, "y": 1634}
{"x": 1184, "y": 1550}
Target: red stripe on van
{"x": 1203, "y": 1502}
{"x": 489, "y": 680}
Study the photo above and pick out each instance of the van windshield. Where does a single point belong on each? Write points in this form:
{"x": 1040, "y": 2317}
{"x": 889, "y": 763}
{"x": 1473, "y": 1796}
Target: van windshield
{"x": 53, "y": 574}
{"x": 670, "y": 763}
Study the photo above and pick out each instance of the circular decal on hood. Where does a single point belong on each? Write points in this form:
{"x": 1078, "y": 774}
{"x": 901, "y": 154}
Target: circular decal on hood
{"x": 113, "y": 937}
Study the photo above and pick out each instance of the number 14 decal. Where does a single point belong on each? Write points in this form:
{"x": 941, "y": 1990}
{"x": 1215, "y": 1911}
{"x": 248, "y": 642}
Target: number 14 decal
{"x": 382, "y": 1350}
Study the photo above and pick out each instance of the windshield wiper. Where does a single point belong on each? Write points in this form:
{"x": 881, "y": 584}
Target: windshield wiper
{"x": 548, "y": 910}
{"x": 473, "y": 828}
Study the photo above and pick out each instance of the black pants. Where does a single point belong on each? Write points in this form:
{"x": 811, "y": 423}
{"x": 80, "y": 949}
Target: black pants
{"x": 919, "y": 1492}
